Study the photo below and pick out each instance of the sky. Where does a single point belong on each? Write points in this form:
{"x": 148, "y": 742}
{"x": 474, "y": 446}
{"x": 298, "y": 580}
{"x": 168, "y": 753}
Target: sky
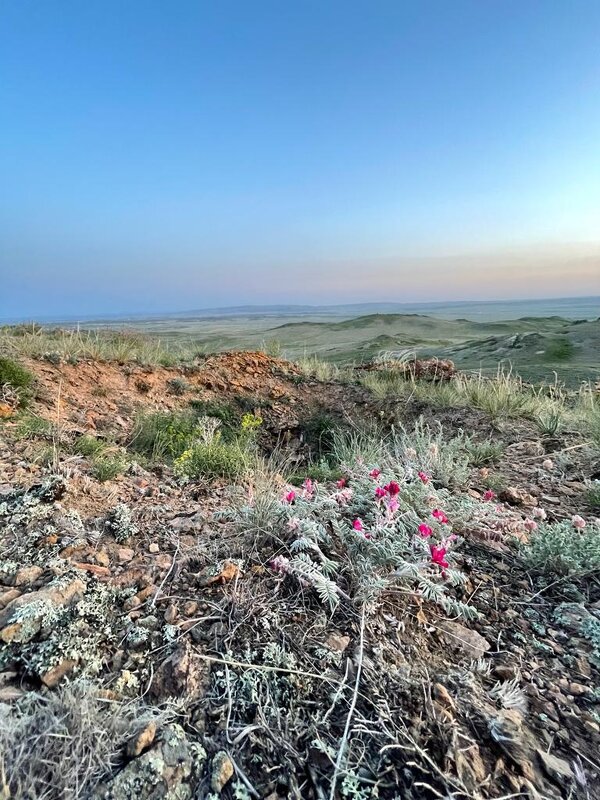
{"x": 163, "y": 156}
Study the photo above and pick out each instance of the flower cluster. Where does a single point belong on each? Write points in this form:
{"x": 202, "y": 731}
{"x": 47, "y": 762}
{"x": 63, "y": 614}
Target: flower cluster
{"x": 367, "y": 531}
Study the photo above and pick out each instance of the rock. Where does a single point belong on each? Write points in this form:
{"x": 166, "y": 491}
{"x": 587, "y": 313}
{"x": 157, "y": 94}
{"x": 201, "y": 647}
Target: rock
{"x": 442, "y": 695}
{"x": 556, "y": 768}
{"x": 125, "y": 554}
{"x": 171, "y": 768}
{"x": 465, "y": 639}
{"x": 22, "y": 619}
{"x": 190, "y": 607}
{"x": 184, "y": 675}
{"x": 336, "y": 642}
{"x": 171, "y": 614}
{"x": 142, "y": 740}
{"x": 517, "y": 497}
{"x": 578, "y": 689}
{"x": 102, "y": 558}
{"x": 221, "y": 772}
{"x": 94, "y": 569}
{"x": 53, "y": 677}
{"x": 154, "y": 548}
{"x": 27, "y": 575}
{"x": 8, "y": 596}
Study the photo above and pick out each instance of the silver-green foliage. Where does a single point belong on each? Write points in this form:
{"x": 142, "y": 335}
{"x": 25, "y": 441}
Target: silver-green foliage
{"x": 561, "y": 549}
{"x": 348, "y": 543}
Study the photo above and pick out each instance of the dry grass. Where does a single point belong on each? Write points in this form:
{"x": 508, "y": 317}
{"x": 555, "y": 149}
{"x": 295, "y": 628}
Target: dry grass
{"x": 98, "y": 345}
{"x": 62, "y": 744}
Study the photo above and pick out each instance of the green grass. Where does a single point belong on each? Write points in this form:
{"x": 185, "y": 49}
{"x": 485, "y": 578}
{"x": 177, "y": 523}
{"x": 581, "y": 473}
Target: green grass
{"x": 482, "y": 453}
{"x": 16, "y": 378}
{"x": 226, "y": 413}
{"x": 214, "y": 459}
{"x": 88, "y": 446}
{"x": 163, "y": 436}
{"x": 107, "y": 467}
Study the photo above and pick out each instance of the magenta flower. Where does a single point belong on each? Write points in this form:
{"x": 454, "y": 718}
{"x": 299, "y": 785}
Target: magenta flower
{"x": 289, "y": 497}
{"x": 438, "y": 556}
{"x": 375, "y": 473}
{"x": 488, "y": 495}
{"x": 380, "y": 492}
{"x": 357, "y": 524}
{"x": 440, "y": 516}
{"x": 392, "y": 488}
{"x": 341, "y": 483}
{"x": 425, "y": 530}
{"x": 367, "y": 536}
{"x": 423, "y": 476}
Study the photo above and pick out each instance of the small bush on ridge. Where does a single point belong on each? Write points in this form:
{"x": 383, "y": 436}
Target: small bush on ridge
{"x": 561, "y": 549}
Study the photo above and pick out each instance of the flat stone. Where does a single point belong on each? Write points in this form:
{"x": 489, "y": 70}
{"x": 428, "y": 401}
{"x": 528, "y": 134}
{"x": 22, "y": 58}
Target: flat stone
{"x": 142, "y": 740}
{"x": 469, "y": 641}
{"x": 57, "y": 673}
{"x": 27, "y": 575}
{"x": 556, "y": 768}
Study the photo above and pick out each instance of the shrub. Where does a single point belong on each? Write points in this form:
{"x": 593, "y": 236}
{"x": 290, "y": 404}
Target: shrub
{"x": 162, "y": 435}
{"x": 427, "y": 449}
{"x": 560, "y": 549}
{"x": 177, "y": 386}
{"x": 224, "y": 412}
{"x": 107, "y": 468}
{"x": 30, "y": 426}
{"x": 354, "y": 541}
{"x": 549, "y": 422}
{"x": 16, "y": 377}
{"x": 593, "y": 494}
{"x": 88, "y": 446}
{"x": 319, "y": 430}
{"x": 213, "y": 459}
{"x": 481, "y": 453}
{"x": 559, "y": 349}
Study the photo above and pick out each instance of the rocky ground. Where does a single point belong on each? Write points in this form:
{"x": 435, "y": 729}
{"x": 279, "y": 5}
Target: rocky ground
{"x": 142, "y": 590}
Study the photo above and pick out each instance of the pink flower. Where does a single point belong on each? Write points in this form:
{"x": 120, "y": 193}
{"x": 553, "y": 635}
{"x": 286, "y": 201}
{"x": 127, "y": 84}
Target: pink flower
{"x": 488, "y": 495}
{"x": 423, "y": 476}
{"x": 367, "y": 536}
{"x": 538, "y": 513}
{"x": 438, "y": 556}
{"x": 578, "y": 522}
{"x": 357, "y": 524}
{"x": 309, "y": 488}
{"x": 393, "y": 505}
{"x": 392, "y": 488}
{"x": 530, "y": 525}
{"x": 289, "y": 497}
{"x": 425, "y": 530}
{"x": 344, "y": 496}
{"x": 280, "y": 564}
{"x": 380, "y": 492}
{"x": 375, "y": 473}
{"x": 440, "y": 516}
{"x": 341, "y": 483}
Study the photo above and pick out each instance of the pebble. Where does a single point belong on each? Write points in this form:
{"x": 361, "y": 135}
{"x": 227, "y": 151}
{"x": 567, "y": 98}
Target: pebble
{"x": 222, "y": 771}
{"x": 154, "y": 548}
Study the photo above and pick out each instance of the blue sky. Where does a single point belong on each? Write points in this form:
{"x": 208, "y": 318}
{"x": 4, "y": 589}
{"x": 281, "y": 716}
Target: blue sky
{"x": 164, "y": 156}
